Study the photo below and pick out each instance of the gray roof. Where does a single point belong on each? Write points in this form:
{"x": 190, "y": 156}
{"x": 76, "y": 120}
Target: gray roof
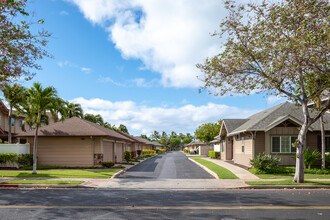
{"x": 262, "y": 120}
{"x": 197, "y": 142}
{"x": 156, "y": 143}
{"x": 145, "y": 141}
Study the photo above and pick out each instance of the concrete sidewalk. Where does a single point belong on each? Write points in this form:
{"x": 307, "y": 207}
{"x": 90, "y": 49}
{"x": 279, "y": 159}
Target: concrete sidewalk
{"x": 238, "y": 171}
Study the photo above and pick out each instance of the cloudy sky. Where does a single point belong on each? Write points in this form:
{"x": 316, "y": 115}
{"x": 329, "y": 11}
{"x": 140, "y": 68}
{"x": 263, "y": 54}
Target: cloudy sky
{"x": 133, "y": 61}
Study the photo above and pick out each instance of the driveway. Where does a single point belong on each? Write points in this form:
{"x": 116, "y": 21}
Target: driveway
{"x": 171, "y": 165}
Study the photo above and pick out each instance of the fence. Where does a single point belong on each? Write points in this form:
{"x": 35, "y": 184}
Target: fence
{"x": 15, "y": 148}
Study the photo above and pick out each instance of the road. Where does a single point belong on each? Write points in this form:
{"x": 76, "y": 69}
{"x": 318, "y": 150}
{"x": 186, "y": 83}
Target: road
{"x": 163, "y": 204}
{"x": 172, "y": 165}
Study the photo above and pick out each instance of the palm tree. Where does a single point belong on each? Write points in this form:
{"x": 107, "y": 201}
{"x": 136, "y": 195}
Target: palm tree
{"x": 94, "y": 118}
{"x": 74, "y": 110}
{"x": 14, "y": 94}
{"x": 39, "y": 100}
{"x": 59, "y": 109}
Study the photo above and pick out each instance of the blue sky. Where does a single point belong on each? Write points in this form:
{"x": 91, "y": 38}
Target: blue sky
{"x": 133, "y": 62}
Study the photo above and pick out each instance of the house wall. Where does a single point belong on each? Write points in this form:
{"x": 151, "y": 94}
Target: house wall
{"x": 260, "y": 142}
{"x": 108, "y": 150}
{"x": 228, "y": 149}
{"x": 64, "y": 151}
{"x": 119, "y": 151}
{"x": 204, "y": 150}
{"x": 239, "y": 156}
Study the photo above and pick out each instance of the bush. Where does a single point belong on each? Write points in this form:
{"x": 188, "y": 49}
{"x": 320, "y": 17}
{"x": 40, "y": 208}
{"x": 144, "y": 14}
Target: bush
{"x": 311, "y": 157}
{"x": 139, "y": 152}
{"x": 265, "y": 163}
{"x": 148, "y": 153}
{"x": 108, "y": 164}
{"x": 185, "y": 151}
{"x": 214, "y": 154}
{"x": 161, "y": 151}
{"x": 127, "y": 156}
{"x": 21, "y": 160}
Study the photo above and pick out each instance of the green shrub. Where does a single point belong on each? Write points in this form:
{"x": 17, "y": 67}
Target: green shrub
{"x": 13, "y": 159}
{"x": 127, "y": 156}
{"x": 214, "y": 154}
{"x": 148, "y": 153}
{"x": 311, "y": 157}
{"x": 265, "y": 163}
{"x": 108, "y": 164}
{"x": 161, "y": 151}
{"x": 186, "y": 151}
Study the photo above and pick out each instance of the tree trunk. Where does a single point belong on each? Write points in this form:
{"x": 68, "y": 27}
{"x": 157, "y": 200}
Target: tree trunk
{"x": 301, "y": 146}
{"x": 35, "y": 151}
{"x": 322, "y": 142}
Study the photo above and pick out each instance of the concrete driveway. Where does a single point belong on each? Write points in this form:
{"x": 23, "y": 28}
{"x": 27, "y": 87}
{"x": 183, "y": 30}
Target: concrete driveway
{"x": 171, "y": 165}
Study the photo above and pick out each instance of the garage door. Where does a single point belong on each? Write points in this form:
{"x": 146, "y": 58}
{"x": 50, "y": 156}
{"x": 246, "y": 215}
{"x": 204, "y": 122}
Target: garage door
{"x": 108, "y": 150}
{"x": 119, "y": 152}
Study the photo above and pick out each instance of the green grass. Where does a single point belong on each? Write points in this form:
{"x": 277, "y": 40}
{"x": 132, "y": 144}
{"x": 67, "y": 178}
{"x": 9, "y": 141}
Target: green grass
{"x": 61, "y": 173}
{"x": 60, "y": 182}
{"x": 118, "y": 167}
{"x": 288, "y": 175}
{"x": 288, "y": 182}
{"x": 222, "y": 172}
{"x": 46, "y": 167}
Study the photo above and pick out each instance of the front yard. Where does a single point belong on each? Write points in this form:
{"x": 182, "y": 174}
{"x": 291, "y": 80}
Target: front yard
{"x": 102, "y": 174}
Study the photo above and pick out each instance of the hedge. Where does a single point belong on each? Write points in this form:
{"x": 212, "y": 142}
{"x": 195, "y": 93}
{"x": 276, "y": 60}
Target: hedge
{"x": 21, "y": 160}
{"x": 214, "y": 154}
{"x": 148, "y": 152}
{"x": 161, "y": 151}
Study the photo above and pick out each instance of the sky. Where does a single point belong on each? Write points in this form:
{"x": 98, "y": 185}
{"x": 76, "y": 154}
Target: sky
{"x": 133, "y": 62}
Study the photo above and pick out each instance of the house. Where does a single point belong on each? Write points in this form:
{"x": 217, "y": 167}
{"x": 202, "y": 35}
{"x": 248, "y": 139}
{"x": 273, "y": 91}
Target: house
{"x": 135, "y": 146}
{"x": 77, "y": 142}
{"x": 271, "y": 131}
{"x": 158, "y": 145}
{"x": 203, "y": 148}
{"x": 216, "y": 143}
{"x": 16, "y": 123}
{"x": 147, "y": 145}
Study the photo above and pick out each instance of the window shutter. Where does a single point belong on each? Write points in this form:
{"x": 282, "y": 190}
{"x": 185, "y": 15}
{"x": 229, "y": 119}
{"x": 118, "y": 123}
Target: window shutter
{"x": 319, "y": 143}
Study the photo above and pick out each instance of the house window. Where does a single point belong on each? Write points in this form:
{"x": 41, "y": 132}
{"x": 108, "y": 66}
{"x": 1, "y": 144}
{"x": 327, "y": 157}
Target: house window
{"x": 283, "y": 144}
{"x": 13, "y": 122}
{"x": 242, "y": 144}
{"x": 327, "y": 143}
{"x": 237, "y": 137}
{"x": 20, "y": 123}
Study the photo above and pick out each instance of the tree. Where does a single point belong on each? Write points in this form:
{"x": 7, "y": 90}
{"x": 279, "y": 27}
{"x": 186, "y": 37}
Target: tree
{"x": 155, "y": 136}
{"x": 74, "y": 110}
{"x": 145, "y": 137}
{"x": 275, "y": 48}
{"x": 14, "y": 95}
{"x": 39, "y": 100}
{"x": 19, "y": 47}
{"x": 123, "y": 128}
{"x": 186, "y": 140}
{"x": 206, "y": 132}
{"x": 59, "y": 111}
{"x": 164, "y": 139}
{"x": 94, "y": 118}
{"x": 175, "y": 142}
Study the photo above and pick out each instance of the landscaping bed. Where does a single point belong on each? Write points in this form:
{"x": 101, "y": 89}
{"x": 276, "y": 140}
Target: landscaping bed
{"x": 288, "y": 172}
{"x": 48, "y": 182}
{"x": 288, "y": 182}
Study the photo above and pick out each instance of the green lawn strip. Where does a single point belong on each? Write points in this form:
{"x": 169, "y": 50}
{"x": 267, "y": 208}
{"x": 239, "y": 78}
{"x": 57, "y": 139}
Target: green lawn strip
{"x": 46, "y": 167}
{"x": 48, "y": 182}
{"x": 287, "y": 182}
{"x": 222, "y": 172}
{"x": 288, "y": 175}
{"x": 61, "y": 173}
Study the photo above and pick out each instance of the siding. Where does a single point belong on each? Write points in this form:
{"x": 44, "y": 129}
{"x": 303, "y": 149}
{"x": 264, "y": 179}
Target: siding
{"x": 119, "y": 152}
{"x": 243, "y": 157}
{"x": 64, "y": 151}
{"x": 260, "y": 143}
{"x": 108, "y": 151}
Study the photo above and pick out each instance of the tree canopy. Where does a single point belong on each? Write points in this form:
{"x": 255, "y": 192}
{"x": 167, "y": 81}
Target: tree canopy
{"x": 206, "y": 132}
{"x": 278, "y": 48}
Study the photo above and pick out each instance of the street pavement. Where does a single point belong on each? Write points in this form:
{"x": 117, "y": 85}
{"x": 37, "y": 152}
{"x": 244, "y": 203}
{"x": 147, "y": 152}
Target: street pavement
{"x": 163, "y": 204}
{"x": 171, "y": 165}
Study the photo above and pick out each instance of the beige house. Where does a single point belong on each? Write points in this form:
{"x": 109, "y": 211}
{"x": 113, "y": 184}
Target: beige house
{"x": 203, "y": 148}
{"x": 146, "y": 144}
{"x": 271, "y": 131}
{"x": 135, "y": 146}
{"x": 77, "y": 142}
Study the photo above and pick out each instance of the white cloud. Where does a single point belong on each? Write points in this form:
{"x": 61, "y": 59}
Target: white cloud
{"x": 144, "y": 119}
{"x": 170, "y": 37}
{"x": 86, "y": 70}
{"x": 107, "y": 79}
{"x": 64, "y": 13}
{"x": 140, "y": 82}
{"x": 272, "y": 100}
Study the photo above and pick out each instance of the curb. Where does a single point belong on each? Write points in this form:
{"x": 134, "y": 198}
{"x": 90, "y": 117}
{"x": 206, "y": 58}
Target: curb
{"x": 53, "y": 186}
{"x": 286, "y": 187}
{"x": 206, "y": 169}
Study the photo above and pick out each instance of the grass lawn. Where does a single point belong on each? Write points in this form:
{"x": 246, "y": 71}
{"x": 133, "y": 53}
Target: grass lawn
{"x": 288, "y": 182}
{"x": 288, "y": 175}
{"x": 61, "y": 182}
{"x": 61, "y": 173}
{"x": 222, "y": 173}
{"x": 47, "y": 167}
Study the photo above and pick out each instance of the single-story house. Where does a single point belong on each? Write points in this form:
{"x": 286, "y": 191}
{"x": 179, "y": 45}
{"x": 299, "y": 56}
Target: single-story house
{"x": 216, "y": 143}
{"x": 135, "y": 145}
{"x": 203, "y": 148}
{"x": 147, "y": 145}
{"x": 158, "y": 145}
{"x": 271, "y": 131}
{"x": 77, "y": 142}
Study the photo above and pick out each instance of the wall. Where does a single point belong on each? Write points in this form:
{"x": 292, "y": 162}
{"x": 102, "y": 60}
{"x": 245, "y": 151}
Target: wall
{"x": 204, "y": 150}
{"x": 239, "y": 156}
{"x": 15, "y": 148}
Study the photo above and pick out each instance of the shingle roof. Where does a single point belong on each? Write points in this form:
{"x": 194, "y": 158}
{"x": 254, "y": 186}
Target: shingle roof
{"x": 74, "y": 127}
{"x": 156, "y": 143}
{"x": 261, "y": 120}
{"x": 133, "y": 139}
{"x": 197, "y": 142}
{"x": 145, "y": 141}
{"x": 232, "y": 124}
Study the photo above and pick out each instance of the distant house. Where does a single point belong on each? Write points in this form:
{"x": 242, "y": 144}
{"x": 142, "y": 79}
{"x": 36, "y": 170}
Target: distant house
{"x": 16, "y": 123}
{"x": 203, "y": 148}
{"x": 147, "y": 145}
{"x": 135, "y": 145}
{"x": 271, "y": 131}
{"x": 77, "y": 142}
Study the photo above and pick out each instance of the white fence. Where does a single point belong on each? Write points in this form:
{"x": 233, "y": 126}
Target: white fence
{"x": 217, "y": 147}
{"x": 15, "y": 148}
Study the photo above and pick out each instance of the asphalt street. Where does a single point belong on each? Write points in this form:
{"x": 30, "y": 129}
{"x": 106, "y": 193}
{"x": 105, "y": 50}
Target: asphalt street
{"x": 163, "y": 204}
{"x": 172, "y": 165}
